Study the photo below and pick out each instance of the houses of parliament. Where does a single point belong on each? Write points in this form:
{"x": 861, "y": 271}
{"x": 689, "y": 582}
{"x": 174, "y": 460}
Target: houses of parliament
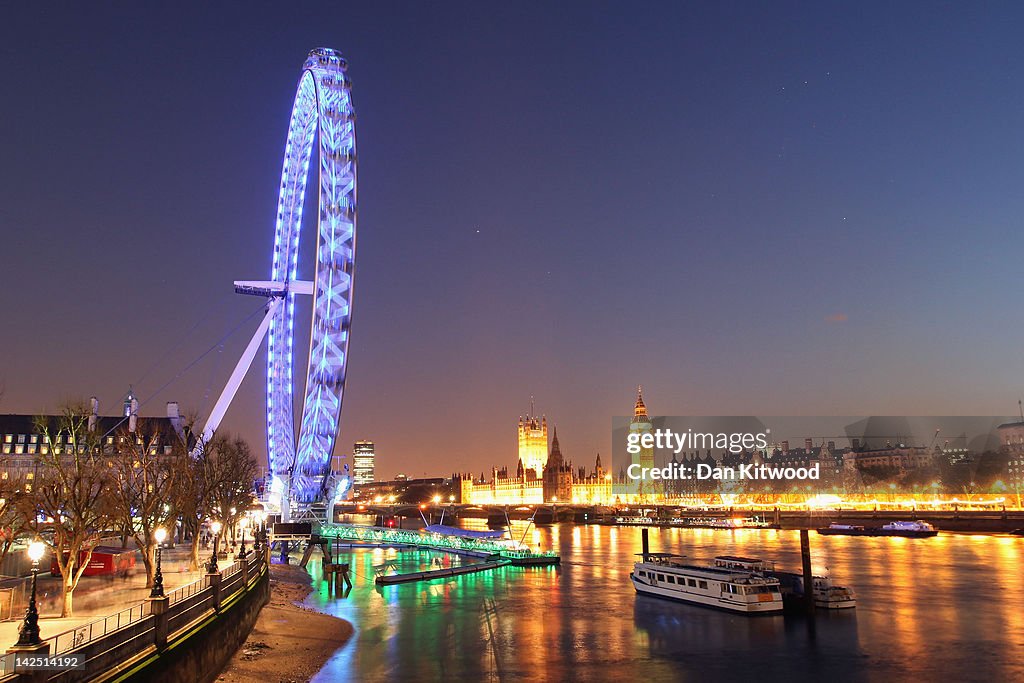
{"x": 543, "y": 474}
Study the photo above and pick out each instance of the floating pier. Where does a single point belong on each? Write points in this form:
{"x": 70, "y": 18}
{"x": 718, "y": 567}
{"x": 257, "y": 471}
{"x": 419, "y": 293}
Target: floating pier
{"x": 388, "y": 579}
{"x": 460, "y": 545}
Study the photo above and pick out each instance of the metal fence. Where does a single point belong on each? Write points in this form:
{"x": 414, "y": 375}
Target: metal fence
{"x": 186, "y": 591}
{"x": 233, "y": 568}
{"x": 77, "y": 637}
{"x": 185, "y": 604}
{"x": 6, "y": 664}
{"x": 14, "y": 597}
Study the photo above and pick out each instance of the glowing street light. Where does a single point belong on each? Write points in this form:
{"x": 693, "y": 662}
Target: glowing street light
{"x": 28, "y": 634}
{"x": 243, "y": 523}
{"x": 211, "y": 568}
{"x": 158, "y": 578}
{"x": 436, "y": 499}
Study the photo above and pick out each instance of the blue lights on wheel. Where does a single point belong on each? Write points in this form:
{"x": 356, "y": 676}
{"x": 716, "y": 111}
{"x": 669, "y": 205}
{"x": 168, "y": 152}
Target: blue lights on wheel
{"x": 322, "y": 111}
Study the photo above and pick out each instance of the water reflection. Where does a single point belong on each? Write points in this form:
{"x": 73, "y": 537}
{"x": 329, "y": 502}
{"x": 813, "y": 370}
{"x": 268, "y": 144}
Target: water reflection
{"x": 946, "y": 607}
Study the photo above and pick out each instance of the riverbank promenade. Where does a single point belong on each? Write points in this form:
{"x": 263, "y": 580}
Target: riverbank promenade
{"x": 101, "y": 596}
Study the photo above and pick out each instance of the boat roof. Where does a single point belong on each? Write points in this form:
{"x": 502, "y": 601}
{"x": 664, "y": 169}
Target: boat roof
{"x": 659, "y": 555}
{"x": 730, "y": 575}
{"x": 737, "y": 558}
{"x": 464, "y": 533}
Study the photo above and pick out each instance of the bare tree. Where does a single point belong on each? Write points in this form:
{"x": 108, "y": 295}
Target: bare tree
{"x": 73, "y": 492}
{"x": 210, "y": 482}
{"x": 191, "y": 498}
{"x": 15, "y": 507}
{"x": 231, "y": 471}
{"x": 143, "y": 485}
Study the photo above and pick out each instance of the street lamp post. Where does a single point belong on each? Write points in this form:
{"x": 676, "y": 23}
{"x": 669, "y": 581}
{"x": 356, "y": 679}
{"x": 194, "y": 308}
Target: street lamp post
{"x": 261, "y": 531}
{"x": 243, "y": 523}
{"x": 234, "y": 531}
{"x": 211, "y": 567}
{"x": 158, "y": 578}
{"x": 28, "y": 634}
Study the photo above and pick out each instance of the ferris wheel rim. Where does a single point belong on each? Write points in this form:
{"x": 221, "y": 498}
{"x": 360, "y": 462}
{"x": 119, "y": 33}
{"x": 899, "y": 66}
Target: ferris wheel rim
{"x": 322, "y": 111}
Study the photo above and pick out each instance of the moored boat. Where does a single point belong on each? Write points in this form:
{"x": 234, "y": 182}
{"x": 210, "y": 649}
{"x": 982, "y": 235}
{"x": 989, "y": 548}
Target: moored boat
{"x": 665, "y": 575}
{"x": 723, "y": 523}
{"x": 525, "y": 558}
{"x": 916, "y": 529}
{"x": 634, "y": 521}
{"x": 826, "y": 594}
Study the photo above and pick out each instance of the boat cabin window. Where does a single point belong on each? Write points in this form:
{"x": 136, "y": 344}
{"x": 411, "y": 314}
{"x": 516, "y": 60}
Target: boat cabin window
{"x": 691, "y": 582}
{"x": 661, "y": 577}
{"x": 702, "y": 584}
{"x": 671, "y": 579}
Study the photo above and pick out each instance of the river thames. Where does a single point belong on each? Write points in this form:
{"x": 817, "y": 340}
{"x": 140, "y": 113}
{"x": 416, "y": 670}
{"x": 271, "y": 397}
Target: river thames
{"x": 944, "y": 608}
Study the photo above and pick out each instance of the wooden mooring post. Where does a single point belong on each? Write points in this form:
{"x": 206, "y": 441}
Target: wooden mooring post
{"x": 805, "y": 556}
{"x": 336, "y": 575}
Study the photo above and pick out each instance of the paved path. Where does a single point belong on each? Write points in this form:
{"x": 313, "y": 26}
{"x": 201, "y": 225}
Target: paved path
{"x": 100, "y": 596}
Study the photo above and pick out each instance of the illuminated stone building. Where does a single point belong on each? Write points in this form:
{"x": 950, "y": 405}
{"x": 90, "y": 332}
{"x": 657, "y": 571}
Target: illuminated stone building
{"x": 557, "y": 475}
{"x": 641, "y": 424}
{"x": 533, "y": 444}
{"x": 1011, "y": 435}
{"x": 24, "y": 439}
{"x": 559, "y": 482}
{"x": 900, "y": 457}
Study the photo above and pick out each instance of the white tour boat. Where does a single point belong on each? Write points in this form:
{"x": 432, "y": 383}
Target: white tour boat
{"x": 665, "y": 575}
{"x": 826, "y": 594}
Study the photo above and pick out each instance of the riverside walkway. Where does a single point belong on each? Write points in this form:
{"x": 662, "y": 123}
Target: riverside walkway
{"x": 98, "y": 596}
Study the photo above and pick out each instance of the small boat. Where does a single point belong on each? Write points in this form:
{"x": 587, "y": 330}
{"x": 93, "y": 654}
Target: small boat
{"x": 443, "y": 530}
{"x": 723, "y": 523}
{"x": 634, "y": 521}
{"x": 526, "y": 558}
{"x": 665, "y": 575}
{"x": 826, "y": 594}
{"x": 916, "y": 529}
{"x": 844, "y": 530}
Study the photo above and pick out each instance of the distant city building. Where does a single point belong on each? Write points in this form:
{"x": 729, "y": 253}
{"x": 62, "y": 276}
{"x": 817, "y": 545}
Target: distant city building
{"x": 900, "y": 457}
{"x": 403, "y": 490}
{"x": 533, "y": 444}
{"x": 363, "y": 463}
{"x": 1011, "y": 438}
{"x": 640, "y": 425}
{"x": 1011, "y": 435}
{"x": 22, "y": 441}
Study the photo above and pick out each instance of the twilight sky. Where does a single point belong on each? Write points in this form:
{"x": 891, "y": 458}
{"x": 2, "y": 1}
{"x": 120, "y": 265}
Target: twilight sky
{"x": 750, "y": 208}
